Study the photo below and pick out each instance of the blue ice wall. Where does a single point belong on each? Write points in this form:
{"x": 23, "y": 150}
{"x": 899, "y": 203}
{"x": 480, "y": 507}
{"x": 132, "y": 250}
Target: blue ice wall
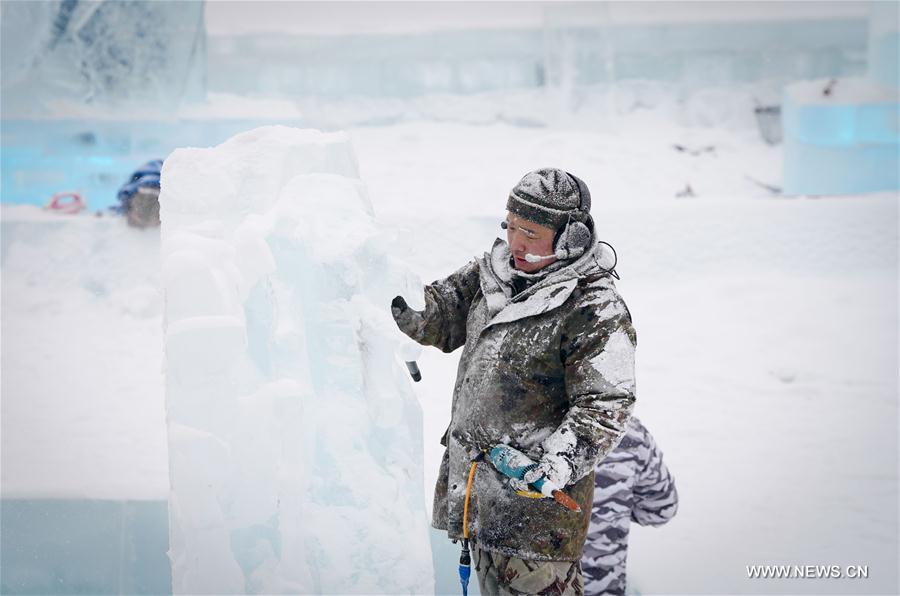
{"x": 406, "y": 65}
{"x": 844, "y": 148}
{"x": 95, "y": 157}
{"x": 696, "y": 55}
{"x": 79, "y": 546}
{"x": 46, "y": 151}
{"x": 690, "y": 55}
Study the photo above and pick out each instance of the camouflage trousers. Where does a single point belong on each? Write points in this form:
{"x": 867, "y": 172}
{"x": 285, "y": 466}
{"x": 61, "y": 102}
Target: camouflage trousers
{"x": 500, "y": 575}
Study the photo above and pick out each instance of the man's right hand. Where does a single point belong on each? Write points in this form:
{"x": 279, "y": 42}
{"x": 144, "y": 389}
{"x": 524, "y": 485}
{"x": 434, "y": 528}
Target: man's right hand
{"x": 520, "y": 485}
{"x": 411, "y": 322}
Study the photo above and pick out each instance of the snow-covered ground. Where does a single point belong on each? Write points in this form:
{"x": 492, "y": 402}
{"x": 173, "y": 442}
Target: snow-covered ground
{"x": 767, "y": 338}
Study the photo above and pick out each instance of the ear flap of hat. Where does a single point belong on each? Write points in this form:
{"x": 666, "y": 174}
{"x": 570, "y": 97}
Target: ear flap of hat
{"x": 573, "y": 240}
{"x": 584, "y": 203}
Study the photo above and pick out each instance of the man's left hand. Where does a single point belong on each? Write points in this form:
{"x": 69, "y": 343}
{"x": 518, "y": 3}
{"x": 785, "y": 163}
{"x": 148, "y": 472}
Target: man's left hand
{"x": 555, "y": 468}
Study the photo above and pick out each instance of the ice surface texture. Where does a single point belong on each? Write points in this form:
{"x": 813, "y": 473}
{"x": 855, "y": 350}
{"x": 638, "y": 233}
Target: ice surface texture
{"x": 102, "y": 52}
{"x": 295, "y": 441}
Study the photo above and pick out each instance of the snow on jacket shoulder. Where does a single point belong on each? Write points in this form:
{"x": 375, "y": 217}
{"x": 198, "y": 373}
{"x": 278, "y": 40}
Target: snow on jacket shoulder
{"x": 549, "y": 371}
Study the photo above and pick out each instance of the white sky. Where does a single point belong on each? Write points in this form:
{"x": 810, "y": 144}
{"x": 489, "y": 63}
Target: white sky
{"x": 225, "y": 17}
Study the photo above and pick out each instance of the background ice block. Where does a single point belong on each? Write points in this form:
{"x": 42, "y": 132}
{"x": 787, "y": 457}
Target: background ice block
{"x": 103, "y": 53}
{"x": 843, "y": 142}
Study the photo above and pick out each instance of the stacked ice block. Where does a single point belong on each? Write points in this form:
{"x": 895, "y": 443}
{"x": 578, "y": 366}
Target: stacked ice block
{"x": 295, "y": 445}
{"x": 842, "y": 136}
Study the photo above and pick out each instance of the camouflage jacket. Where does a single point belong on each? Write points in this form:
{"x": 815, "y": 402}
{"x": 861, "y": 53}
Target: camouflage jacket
{"x": 549, "y": 370}
{"x": 632, "y": 485}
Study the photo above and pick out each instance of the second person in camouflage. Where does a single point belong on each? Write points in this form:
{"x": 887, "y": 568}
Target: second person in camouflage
{"x": 632, "y": 484}
{"x": 547, "y": 367}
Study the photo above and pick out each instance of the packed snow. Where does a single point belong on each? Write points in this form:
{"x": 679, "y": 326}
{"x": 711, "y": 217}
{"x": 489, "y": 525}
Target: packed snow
{"x": 767, "y": 334}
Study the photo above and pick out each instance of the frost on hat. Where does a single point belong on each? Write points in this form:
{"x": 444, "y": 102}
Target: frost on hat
{"x": 548, "y": 197}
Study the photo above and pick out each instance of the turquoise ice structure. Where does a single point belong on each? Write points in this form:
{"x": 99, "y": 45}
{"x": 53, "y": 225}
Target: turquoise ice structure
{"x": 842, "y": 142}
{"x": 842, "y": 135}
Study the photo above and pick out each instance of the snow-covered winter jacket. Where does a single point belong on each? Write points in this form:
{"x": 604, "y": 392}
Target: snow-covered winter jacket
{"x": 632, "y": 484}
{"x": 549, "y": 371}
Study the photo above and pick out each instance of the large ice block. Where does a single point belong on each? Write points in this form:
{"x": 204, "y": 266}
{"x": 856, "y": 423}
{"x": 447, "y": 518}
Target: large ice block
{"x": 841, "y": 136}
{"x": 103, "y": 52}
{"x": 294, "y": 437}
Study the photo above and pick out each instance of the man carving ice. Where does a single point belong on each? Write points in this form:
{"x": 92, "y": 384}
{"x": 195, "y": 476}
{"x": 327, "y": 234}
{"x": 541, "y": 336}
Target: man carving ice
{"x": 547, "y": 368}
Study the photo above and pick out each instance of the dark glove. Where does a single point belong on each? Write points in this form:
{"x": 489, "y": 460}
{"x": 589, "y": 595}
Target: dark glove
{"x": 411, "y": 322}
{"x": 398, "y": 305}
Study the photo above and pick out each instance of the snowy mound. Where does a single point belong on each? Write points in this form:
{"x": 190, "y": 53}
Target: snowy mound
{"x": 295, "y": 440}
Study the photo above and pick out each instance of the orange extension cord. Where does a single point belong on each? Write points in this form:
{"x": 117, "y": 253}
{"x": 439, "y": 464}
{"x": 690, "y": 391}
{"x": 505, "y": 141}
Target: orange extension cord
{"x": 466, "y": 506}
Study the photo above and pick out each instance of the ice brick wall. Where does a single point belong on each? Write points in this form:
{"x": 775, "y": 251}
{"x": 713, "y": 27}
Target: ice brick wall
{"x": 576, "y": 46}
